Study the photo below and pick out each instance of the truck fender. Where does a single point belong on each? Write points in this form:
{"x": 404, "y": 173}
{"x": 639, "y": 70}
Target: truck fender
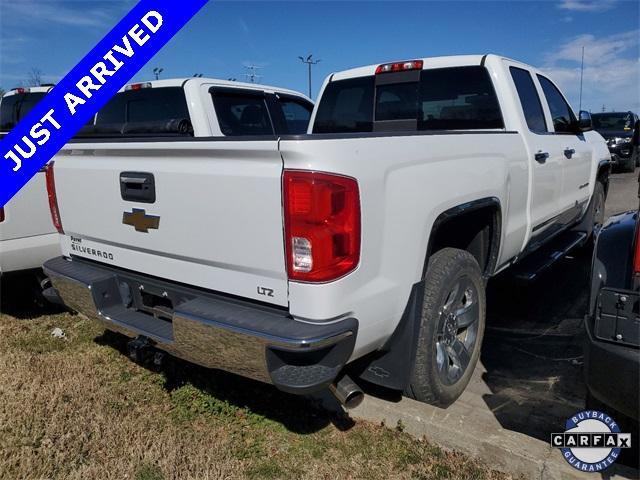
{"x": 390, "y": 366}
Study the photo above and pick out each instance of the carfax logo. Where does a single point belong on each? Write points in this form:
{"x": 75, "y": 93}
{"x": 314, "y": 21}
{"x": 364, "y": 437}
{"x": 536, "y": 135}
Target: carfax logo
{"x": 591, "y": 442}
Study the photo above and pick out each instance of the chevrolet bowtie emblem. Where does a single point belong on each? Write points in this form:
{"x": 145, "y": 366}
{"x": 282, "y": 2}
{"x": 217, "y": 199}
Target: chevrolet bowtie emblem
{"x": 140, "y": 220}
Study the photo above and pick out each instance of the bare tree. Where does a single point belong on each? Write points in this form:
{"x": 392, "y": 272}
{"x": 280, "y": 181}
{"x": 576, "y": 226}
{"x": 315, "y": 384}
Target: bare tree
{"x": 34, "y": 77}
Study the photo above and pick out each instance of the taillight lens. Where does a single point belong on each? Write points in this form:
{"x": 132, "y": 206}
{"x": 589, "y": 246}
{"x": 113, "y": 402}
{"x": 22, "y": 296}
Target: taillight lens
{"x": 322, "y": 225}
{"x": 1, "y": 214}
{"x": 53, "y": 200}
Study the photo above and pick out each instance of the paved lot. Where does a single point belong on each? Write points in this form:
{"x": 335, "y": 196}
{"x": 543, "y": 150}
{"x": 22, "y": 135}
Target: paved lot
{"x": 623, "y": 193}
{"x": 530, "y": 377}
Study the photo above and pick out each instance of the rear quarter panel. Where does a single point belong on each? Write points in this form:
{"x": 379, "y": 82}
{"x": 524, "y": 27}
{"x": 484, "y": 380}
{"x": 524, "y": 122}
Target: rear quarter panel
{"x": 405, "y": 183}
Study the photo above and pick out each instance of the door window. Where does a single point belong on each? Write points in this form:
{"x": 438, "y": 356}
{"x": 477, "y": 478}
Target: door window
{"x": 529, "y": 100}
{"x": 561, "y": 113}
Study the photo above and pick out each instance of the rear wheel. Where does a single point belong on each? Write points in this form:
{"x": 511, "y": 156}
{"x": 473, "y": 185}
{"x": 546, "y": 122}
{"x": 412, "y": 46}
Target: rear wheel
{"x": 451, "y": 328}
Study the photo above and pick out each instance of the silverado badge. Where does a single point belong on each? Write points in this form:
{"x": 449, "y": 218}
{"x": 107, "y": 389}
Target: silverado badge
{"x": 140, "y": 220}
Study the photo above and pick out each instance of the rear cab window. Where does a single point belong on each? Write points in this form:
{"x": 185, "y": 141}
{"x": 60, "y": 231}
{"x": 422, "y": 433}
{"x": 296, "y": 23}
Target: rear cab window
{"x": 14, "y": 108}
{"x": 143, "y": 111}
{"x": 451, "y": 98}
{"x": 243, "y": 112}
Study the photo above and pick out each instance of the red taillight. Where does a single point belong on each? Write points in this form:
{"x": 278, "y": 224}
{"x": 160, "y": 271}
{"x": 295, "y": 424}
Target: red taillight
{"x": 1, "y": 214}
{"x": 53, "y": 200}
{"x": 400, "y": 66}
{"x": 322, "y": 225}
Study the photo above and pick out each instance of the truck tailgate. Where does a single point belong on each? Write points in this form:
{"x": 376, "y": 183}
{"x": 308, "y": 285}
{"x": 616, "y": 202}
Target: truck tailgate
{"x": 216, "y": 221}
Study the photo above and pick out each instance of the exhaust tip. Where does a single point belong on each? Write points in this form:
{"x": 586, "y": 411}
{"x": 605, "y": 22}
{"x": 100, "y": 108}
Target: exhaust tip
{"x": 347, "y": 392}
{"x": 354, "y": 400}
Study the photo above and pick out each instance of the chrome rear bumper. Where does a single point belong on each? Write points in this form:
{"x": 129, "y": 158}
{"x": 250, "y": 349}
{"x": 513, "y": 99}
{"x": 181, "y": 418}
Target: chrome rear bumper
{"x": 212, "y": 330}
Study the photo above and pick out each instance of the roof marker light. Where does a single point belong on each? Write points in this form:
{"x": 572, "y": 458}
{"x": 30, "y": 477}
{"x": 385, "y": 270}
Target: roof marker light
{"x": 400, "y": 66}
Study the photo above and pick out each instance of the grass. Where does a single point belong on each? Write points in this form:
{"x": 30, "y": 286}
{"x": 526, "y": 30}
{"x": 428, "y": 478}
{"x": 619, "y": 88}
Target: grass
{"x": 77, "y": 408}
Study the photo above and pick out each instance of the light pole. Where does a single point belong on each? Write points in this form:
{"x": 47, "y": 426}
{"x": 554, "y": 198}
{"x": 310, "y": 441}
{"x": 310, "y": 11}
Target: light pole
{"x": 309, "y": 61}
{"x": 581, "y": 75}
{"x": 157, "y": 71}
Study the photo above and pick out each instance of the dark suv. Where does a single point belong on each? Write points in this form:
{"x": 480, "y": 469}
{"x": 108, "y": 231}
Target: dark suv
{"x": 620, "y": 130}
{"x": 612, "y": 350}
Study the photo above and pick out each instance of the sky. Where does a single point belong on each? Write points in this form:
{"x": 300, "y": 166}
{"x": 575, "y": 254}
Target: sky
{"x": 228, "y": 35}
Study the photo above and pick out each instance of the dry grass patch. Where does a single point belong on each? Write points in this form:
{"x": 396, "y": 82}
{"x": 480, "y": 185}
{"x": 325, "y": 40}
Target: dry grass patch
{"x": 79, "y": 409}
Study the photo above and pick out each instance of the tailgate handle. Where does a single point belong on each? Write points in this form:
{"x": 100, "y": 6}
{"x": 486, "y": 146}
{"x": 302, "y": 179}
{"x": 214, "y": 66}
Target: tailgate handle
{"x": 138, "y": 187}
{"x": 126, "y": 180}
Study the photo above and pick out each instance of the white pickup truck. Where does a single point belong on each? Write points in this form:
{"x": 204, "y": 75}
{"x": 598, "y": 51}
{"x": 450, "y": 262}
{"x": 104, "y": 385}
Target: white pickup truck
{"x": 361, "y": 248}
{"x": 27, "y": 236}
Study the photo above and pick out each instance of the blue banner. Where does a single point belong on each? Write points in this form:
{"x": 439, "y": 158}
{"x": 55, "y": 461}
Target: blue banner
{"x": 84, "y": 90}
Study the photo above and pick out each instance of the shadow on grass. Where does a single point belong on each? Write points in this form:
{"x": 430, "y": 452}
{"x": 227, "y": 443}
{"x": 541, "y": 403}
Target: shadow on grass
{"x": 297, "y": 414}
{"x": 20, "y": 296}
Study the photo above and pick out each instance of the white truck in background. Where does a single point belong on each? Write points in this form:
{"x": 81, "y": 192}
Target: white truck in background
{"x": 361, "y": 248}
{"x": 27, "y": 235}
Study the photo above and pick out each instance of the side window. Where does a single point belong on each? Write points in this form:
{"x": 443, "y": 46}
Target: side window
{"x": 529, "y": 99}
{"x": 561, "y": 113}
{"x": 296, "y": 115}
{"x": 242, "y": 114}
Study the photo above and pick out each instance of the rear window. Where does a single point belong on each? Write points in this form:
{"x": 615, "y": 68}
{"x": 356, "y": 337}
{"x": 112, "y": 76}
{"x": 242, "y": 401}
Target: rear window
{"x": 154, "y": 111}
{"x": 346, "y": 106}
{"x": 457, "y": 98}
{"x": 14, "y": 108}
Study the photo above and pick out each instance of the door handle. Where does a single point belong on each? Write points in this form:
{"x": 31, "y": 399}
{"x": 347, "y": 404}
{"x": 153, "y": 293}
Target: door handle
{"x": 541, "y": 157}
{"x": 569, "y": 152}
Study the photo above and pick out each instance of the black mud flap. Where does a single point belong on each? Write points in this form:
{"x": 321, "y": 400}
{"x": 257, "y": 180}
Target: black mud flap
{"x": 391, "y": 366}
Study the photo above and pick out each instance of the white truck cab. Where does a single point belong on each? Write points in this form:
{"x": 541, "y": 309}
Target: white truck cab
{"x": 360, "y": 248}
{"x": 27, "y": 235}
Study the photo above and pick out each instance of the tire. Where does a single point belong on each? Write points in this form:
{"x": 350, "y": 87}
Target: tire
{"x": 448, "y": 351}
